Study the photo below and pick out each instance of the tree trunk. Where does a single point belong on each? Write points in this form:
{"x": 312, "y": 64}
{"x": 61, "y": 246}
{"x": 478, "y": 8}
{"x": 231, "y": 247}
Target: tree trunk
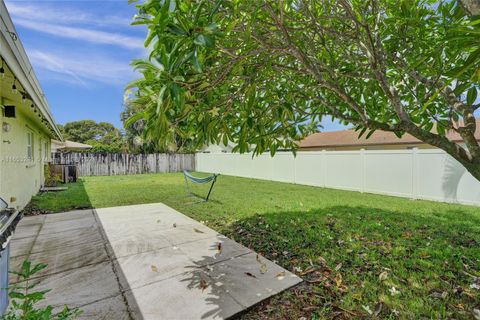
{"x": 471, "y": 7}
{"x": 470, "y": 162}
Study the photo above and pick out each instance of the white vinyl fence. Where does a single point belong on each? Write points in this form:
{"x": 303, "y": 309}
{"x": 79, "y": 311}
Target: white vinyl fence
{"x": 418, "y": 174}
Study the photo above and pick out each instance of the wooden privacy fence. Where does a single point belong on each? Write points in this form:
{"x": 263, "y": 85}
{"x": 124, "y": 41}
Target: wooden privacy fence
{"x": 91, "y": 164}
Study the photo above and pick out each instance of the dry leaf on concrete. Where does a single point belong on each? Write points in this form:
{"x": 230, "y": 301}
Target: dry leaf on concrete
{"x": 203, "y": 284}
{"x": 263, "y": 268}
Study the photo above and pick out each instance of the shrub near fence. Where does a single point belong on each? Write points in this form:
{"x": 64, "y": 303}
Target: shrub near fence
{"x": 91, "y": 164}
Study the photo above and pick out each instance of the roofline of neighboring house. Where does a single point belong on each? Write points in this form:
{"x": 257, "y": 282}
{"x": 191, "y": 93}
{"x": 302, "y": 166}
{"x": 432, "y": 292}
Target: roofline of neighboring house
{"x": 368, "y": 144}
{"x": 17, "y": 60}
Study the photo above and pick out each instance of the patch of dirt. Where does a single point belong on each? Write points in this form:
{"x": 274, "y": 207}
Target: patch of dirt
{"x": 31, "y": 210}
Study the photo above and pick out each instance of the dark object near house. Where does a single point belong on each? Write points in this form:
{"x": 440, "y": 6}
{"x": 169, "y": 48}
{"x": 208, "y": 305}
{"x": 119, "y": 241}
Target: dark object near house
{"x": 189, "y": 177}
{"x": 9, "y": 112}
{"x": 66, "y": 172}
{"x": 9, "y": 219}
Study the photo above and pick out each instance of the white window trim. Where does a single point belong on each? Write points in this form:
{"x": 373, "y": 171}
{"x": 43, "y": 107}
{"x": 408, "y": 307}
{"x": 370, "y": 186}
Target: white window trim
{"x": 30, "y": 145}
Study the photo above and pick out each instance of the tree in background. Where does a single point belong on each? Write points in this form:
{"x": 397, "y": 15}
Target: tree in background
{"x": 102, "y": 136}
{"x": 135, "y": 121}
{"x": 263, "y": 74}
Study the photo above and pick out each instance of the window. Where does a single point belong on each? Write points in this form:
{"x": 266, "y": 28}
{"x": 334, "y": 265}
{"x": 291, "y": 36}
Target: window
{"x": 46, "y": 150}
{"x": 30, "y": 145}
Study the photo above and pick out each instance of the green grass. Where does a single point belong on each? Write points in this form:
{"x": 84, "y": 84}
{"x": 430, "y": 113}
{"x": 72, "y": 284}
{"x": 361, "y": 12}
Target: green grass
{"x": 339, "y": 241}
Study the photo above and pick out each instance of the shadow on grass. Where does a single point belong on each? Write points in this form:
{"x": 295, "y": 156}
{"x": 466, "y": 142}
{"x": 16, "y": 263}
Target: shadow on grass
{"x": 423, "y": 254}
{"x": 75, "y": 198}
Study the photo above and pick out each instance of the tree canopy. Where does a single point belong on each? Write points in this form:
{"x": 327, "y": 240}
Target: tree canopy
{"x": 264, "y": 74}
{"x": 140, "y": 140}
{"x": 102, "y": 136}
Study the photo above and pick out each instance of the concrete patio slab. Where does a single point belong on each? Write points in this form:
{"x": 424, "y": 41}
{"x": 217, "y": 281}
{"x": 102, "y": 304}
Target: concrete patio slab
{"x": 145, "y": 268}
{"x": 67, "y": 225}
{"x": 144, "y": 262}
{"x": 113, "y": 308}
{"x": 66, "y": 239}
{"x": 249, "y": 278}
{"x": 134, "y": 242}
{"x": 22, "y": 246}
{"x": 212, "y": 250}
{"x": 182, "y": 297}
{"x": 26, "y": 230}
{"x": 70, "y": 215}
{"x": 79, "y": 287}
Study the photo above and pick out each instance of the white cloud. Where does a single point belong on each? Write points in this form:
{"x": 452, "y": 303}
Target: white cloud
{"x": 47, "y": 13}
{"x": 93, "y": 36}
{"x": 77, "y": 69}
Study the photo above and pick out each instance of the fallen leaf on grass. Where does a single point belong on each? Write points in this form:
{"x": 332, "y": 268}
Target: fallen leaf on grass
{"x": 203, "y": 284}
{"x": 307, "y": 271}
{"x": 297, "y": 269}
{"x": 367, "y": 308}
{"x": 338, "y": 280}
{"x": 383, "y": 276}
{"x": 338, "y": 267}
{"x": 322, "y": 261}
{"x": 476, "y": 314}
{"x": 378, "y": 309}
{"x": 439, "y": 295}
{"x": 250, "y": 275}
{"x": 394, "y": 291}
{"x": 154, "y": 268}
{"x": 198, "y": 231}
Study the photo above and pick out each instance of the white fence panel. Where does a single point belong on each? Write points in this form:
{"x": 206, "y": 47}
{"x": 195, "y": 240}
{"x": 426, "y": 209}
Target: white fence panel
{"x": 389, "y": 172}
{"x": 283, "y": 168}
{"x": 310, "y": 168}
{"x": 418, "y": 174}
{"x": 344, "y": 170}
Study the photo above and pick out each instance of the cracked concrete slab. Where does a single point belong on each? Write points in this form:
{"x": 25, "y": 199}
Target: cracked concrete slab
{"x": 144, "y": 262}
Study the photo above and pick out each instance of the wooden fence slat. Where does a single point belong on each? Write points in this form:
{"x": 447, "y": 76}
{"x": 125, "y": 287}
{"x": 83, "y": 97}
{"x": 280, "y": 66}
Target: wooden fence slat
{"x": 91, "y": 164}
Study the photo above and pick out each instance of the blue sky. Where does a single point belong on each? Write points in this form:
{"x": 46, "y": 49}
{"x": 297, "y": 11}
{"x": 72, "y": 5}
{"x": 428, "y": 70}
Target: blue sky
{"x": 81, "y": 52}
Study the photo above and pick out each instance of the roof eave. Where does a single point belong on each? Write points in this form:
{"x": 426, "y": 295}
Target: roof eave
{"x": 16, "y": 58}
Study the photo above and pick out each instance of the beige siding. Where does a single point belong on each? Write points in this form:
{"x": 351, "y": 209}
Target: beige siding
{"x": 21, "y": 177}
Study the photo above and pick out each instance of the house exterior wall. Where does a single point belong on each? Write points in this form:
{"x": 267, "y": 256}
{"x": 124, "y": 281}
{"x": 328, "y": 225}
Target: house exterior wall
{"x": 21, "y": 177}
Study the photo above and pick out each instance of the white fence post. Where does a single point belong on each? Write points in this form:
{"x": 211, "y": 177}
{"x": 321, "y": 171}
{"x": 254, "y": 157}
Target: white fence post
{"x": 415, "y": 173}
{"x": 324, "y": 167}
{"x": 364, "y": 170}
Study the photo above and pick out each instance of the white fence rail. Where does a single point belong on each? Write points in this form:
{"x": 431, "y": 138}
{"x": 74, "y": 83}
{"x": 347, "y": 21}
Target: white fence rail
{"x": 417, "y": 174}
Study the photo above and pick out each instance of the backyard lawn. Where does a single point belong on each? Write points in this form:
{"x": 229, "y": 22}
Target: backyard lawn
{"x": 361, "y": 255}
